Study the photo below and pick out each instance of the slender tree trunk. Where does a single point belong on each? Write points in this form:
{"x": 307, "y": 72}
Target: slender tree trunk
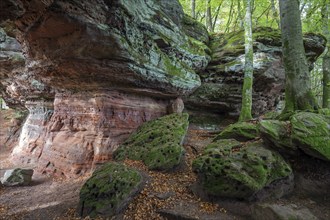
{"x": 208, "y": 21}
{"x": 193, "y": 7}
{"x": 298, "y": 93}
{"x": 230, "y": 16}
{"x": 248, "y": 69}
{"x": 326, "y": 58}
{"x": 239, "y": 15}
{"x": 275, "y": 14}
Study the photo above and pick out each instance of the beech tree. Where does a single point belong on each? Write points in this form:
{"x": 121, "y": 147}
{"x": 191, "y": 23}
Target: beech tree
{"x": 298, "y": 93}
{"x": 248, "y": 68}
{"x": 326, "y": 57}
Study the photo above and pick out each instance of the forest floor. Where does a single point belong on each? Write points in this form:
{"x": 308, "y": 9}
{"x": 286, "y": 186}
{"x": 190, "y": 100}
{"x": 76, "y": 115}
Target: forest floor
{"x": 166, "y": 196}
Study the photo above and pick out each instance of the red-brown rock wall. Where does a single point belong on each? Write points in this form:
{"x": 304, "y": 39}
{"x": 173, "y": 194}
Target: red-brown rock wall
{"x": 82, "y": 130}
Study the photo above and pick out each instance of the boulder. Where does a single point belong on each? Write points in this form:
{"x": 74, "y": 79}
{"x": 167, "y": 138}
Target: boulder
{"x": 109, "y": 190}
{"x": 17, "y": 177}
{"x": 228, "y": 168}
{"x": 311, "y": 133}
{"x": 241, "y": 131}
{"x": 277, "y": 135}
{"x": 157, "y": 143}
{"x": 307, "y": 131}
{"x": 222, "y": 80}
{"x": 281, "y": 211}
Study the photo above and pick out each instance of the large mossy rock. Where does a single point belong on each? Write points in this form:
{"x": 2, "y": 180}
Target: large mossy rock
{"x": 109, "y": 190}
{"x": 307, "y": 131}
{"x": 230, "y": 169}
{"x": 278, "y": 135}
{"x": 241, "y": 131}
{"x": 157, "y": 143}
{"x": 311, "y": 133}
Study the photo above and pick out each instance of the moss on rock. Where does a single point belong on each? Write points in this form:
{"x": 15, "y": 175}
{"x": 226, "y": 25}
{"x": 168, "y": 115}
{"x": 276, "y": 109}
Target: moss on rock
{"x": 278, "y": 134}
{"x": 241, "y": 131}
{"x": 230, "y": 169}
{"x": 109, "y": 190}
{"x": 157, "y": 143}
{"x": 311, "y": 132}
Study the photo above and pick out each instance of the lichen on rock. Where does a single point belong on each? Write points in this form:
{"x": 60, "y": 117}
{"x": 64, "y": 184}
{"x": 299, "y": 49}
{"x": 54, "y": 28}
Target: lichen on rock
{"x": 229, "y": 168}
{"x": 157, "y": 143}
{"x": 109, "y": 190}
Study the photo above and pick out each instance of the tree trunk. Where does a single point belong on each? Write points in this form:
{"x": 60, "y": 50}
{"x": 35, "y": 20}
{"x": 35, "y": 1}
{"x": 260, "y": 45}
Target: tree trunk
{"x": 275, "y": 14}
{"x": 298, "y": 93}
{"x": 193, "y": 7}
{"x": 248, "y": 69}
{"x": 208, "y": 20}
{"x": 326, "y": 57}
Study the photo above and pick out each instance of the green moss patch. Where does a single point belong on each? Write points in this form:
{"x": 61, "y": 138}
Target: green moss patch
{"x": 109, "y": 190}
{"x": 230, "y": 169}
{"x": 278, "y": 134}
{"x": 311, "y": 132}
{"x": 157, "y": 143}
{"x": 241, "y": 131}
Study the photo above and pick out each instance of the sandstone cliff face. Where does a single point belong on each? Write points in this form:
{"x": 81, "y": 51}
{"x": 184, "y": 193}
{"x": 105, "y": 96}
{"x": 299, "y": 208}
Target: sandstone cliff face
{"x": 92, "y": 72}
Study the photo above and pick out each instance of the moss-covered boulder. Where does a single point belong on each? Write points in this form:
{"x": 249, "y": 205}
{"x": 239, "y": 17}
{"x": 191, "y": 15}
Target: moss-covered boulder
{"x": 278, "y": 135}
{"x": 109, "y": 190}
{"x": 157, "y": 143}
{"x": 311, "y": 133}
{"x": 241, "y": 131}
{"x": 230, "y": 169}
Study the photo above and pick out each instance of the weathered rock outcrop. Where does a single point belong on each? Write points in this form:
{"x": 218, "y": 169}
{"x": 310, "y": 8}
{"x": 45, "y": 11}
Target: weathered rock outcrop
{"x": 223, "y": 78}
{"x": 92, "y": 72}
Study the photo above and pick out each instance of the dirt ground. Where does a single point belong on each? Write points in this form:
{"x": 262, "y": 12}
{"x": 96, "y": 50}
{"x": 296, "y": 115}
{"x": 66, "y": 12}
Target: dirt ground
{"x": 166, "y": 196}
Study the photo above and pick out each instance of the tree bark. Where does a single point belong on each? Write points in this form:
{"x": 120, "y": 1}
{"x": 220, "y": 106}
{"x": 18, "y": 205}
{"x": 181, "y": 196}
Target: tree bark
{"x": 193, "y": 7}
{"x": 326, "y": 58}
{"x": 208, "y": 20}
{"x": 298, "y": 93}
{"x": 248, "y": 69}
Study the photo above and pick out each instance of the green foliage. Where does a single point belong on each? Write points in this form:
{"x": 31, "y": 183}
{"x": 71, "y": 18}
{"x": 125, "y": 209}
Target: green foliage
{"x": 228, "y": 15}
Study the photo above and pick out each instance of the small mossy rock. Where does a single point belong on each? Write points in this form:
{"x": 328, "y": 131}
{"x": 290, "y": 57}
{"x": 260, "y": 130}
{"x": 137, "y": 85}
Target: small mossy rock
{"x": 230, "y": 169}
{"x": 311, "y": 133}
{"x": 278, "y": 134}
{"x": 17, "y": 177}
{"x": 157, "y": 143}
{"x": 241, "y": 131}
{"x": 108, "y": 191}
